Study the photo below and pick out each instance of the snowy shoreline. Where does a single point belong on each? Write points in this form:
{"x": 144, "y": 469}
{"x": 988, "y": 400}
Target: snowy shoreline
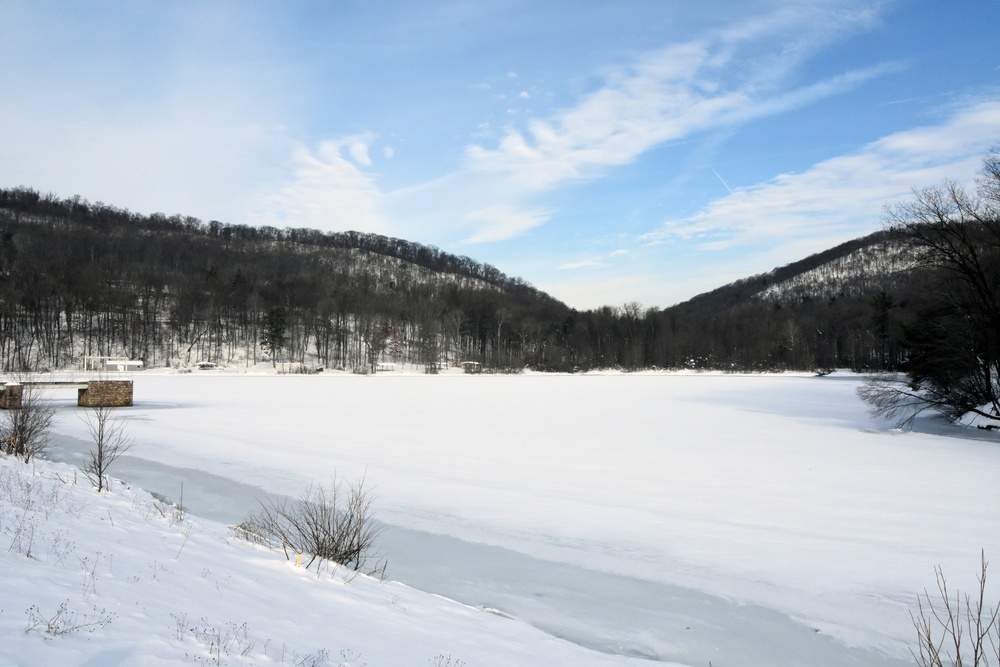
{"x": 776, "y": 493}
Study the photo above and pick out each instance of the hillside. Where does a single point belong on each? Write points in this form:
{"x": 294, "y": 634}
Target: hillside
{"x": 124, "y": 578}
{"x": 79, "y": 279}
{"x": 90, "y": 279}
{"x": 857, "y": 268}
{"x": 844, "y": 307}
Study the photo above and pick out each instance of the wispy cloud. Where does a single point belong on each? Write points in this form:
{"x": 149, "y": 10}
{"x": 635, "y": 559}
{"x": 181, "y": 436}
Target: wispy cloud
{"x": 501, "y": 222}
{"x": 726, "y": 78}
{"x": 592, "y": 263}
{"x": 599, "y": 262}
{"x": 723, "y": 78}
{"x": 329, "y": 189}
{"x": 357, "y": 148}
{"x": 847, "y": 193}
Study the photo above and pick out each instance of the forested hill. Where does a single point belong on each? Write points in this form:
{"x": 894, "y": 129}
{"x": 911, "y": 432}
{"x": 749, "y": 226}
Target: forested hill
{"x": 81, "y": 279}
{"x": 26, "y": 204}
{"x": 91, "y": 279}
{"x": 860, "y": 267}
{"x": 845, "y": 307}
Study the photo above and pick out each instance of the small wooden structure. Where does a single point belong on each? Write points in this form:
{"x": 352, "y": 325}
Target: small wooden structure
{"x": 90, "y": 394}
{"x": 115, "y": 364}
{"x": 471, "y": 366}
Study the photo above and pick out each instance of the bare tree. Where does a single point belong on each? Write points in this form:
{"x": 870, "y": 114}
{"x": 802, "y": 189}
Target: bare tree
{"x": 955, "y": 630}
{"x": 333, "y": 524}
{"x": 24, "y": 430}
{"x": 110, "y": 442}
{"x": 902, "y": 401}
{"x": 953, "y": 347}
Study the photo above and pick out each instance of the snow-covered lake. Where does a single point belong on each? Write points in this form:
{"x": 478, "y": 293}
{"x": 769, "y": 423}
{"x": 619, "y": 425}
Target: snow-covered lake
{"x": 690, "y": 518}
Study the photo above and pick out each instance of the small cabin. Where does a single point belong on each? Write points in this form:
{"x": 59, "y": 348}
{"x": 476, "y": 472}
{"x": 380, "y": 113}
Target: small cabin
{"x": 471, "y": 366}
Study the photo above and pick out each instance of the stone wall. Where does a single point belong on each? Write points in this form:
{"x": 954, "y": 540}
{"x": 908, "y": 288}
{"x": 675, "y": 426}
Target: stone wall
{"x": 106, "y": 394}
{"x": 10, "y": 396}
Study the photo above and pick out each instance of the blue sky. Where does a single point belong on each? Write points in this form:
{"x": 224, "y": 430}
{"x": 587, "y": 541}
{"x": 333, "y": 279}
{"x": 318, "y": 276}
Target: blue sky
{"x": 606, "y": 152}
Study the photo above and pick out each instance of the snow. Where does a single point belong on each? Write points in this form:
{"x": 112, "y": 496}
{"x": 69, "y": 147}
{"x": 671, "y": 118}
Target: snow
{"x": 181, "y": 592}
{"x": 598, "y": 519}
{"x": 865, "y": 271}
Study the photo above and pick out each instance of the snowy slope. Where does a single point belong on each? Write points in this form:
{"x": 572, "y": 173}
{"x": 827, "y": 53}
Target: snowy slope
{"x": 867, "y": 270}
{"x": 686, "y": 518}
{"x": 120, "y": 579}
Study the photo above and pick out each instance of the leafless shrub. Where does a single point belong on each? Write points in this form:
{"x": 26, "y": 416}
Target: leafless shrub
{"x": 890, "y": 398}
{"x": 955, "y": 630}
{"x": 349, "y": 658}
{"x": 88, "y": 567}
{"x": 110, "y": 442}
{"x": 23, "y": 534}
{"x": 26, "y": 502}
{"x": 180, "y": 625}
{"x": 166, "y": 508}
{"x": 332, "y": 524}
{"x": 64, "y": 621}
{"x": 221, "y": 643}
{"x": 24, "y": 430}
{"x": 445, "y": 661}
{"x": 60, "y": 547}
{"x": 315, "y": 659}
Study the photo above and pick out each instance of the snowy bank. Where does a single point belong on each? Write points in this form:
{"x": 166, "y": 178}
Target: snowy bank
{"x": 574, "y": 495}
{"x": 122, "y": 578}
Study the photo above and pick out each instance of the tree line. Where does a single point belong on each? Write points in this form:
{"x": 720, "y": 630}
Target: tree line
{"x": 80, "y": 279}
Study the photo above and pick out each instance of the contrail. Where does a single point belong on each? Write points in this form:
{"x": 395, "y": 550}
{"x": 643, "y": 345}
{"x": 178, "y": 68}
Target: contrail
{"x": 723, "y": 182}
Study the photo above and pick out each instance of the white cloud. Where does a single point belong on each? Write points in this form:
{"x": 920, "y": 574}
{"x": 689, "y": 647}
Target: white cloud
{"x": 499, "y": 222}
{"x": 727, "y": 78}
{"x": 357, "y": 148}
{"x": 658, "y": 102}
{"x": 845, "y": 193}
{"x": 800, "y": 97}
{"x": 327, "y": 191}
{"x": 671, "y": 93}
{"x": 592, "y": 263}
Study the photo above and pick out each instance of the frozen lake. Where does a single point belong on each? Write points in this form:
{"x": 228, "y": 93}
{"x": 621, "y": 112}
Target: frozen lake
{"x": 742, "y": 520}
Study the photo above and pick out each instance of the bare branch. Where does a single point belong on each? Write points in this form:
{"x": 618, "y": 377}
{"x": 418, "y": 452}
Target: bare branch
{"x": 332, "y": 523}
{"x": 110, "y": 442}
{"x": 891, "y": 398}
{"x": 954, "y": 628}
{"x": 24, "y": 430}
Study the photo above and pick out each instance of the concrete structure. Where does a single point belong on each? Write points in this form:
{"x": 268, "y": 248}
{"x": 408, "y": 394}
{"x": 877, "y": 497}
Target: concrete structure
{"x": 90, "y": 394}
{"x": 10, "y": 399}
{"x": 105, "y": 394}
